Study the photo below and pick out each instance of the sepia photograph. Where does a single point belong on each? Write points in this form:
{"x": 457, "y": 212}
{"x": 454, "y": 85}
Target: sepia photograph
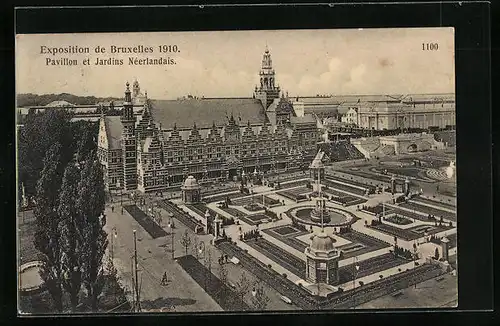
{"x": 236, "y": 171}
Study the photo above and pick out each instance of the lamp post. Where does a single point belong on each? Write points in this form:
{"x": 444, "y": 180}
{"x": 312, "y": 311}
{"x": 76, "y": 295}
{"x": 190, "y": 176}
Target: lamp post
{"x": 114, "y": 234}
{"x": 415, "y": 253}
{"x": 356, "y": 270}
{"x": 138, "y": 302}
{"x": 201, "y": 251}
{"x": 171, "y": 226}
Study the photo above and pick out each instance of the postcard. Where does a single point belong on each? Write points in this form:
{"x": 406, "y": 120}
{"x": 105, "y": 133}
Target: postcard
{"x": 236, "y": 171}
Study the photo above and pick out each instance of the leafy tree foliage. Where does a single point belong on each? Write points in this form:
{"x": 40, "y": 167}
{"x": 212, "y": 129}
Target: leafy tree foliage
{"x": 39, "y": 133}
{"x": 242, "y": 286}
{"x": 71, "y": 225}
{"x": 90, "y": 205}
{"x": 186, "y": 241}
{"x": 223, "y": 272}
{"x": 260, "y": 300}
{"x": 30, "y": 99}
{"x": 47, "y": 234}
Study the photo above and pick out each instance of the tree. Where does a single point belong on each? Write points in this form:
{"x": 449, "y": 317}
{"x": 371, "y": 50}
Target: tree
{"x": 260, "y": 299}
{"x": 71, "y": 240}
{"x": 242, "y": 286}
{"x": 39, "y": 133}
{"x": 47, "y": 234}
{"x": 186, "y": 241}
{"x": 90, "y": 205}
{"x": 194, "y": 249}
{"x": 223, "y": 278}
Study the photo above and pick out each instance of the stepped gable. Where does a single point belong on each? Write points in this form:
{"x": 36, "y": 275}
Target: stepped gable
{"x": 194, "y": 135}
{"x": 248, "y": 132}
{"x": 206, "y": 111}
{"x": 214, "y": 134}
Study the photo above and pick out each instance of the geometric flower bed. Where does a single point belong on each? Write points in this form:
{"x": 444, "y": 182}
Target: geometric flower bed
{"x": 340, "y": 186}
{"x": 430, "y": 210}
{"x": 424, "y": 200}
{"x": 253, "y": 207}
{"x": 347, "y": 200}
{"x": 255, "y": 219}
{"x": 296, "y": 194}
{"x": 369, "y": 266}
{"x": 234, "y": 212}
{"x": 288, "y": 235}
{"x": 367, "y": 244}
{"x": 409, "y": 234}
{"x": 370, "y": 188}
{"x": 398, "y": 219}
{"x": 283, "y": 258}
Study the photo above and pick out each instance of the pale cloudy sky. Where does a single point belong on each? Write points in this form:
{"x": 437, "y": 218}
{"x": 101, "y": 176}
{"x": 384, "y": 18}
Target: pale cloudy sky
{"x": 226, "y": 64}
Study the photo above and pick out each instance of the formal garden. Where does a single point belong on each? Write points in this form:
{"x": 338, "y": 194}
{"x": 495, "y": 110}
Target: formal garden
{"x": 295, "y": 194}
{"x": 397, "y": 219}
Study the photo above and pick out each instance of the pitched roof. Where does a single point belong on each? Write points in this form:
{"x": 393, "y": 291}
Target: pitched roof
{"x": 307, "y": 118}
{"x": 114, "y": 130}
{"x": 205, "y": 111}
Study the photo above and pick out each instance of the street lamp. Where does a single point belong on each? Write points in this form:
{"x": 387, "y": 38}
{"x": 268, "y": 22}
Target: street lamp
{"x": 171, "y": 226}
{"x": 201, "y": 251}
{"x": 355, "y": 274}
{"x": 113, "y": 235}
{"x": 415, "y": 256}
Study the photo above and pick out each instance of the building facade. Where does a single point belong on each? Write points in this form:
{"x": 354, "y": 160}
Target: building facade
{"x": 139, "y": 153}
{"x": 400, "y": 115}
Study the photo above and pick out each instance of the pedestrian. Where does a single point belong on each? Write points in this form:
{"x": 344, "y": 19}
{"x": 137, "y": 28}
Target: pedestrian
{"x": 112, "y": 208}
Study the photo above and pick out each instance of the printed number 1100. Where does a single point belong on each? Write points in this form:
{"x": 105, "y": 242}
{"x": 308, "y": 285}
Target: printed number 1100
{"x": 430, "y": 46}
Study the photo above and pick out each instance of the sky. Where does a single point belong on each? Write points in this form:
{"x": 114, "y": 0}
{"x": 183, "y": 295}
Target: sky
{"x": 226, "y": 63}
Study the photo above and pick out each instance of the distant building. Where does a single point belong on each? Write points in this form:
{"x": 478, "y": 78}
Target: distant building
{"x": 401, "y": 115}
{"x": 351, "y": 117}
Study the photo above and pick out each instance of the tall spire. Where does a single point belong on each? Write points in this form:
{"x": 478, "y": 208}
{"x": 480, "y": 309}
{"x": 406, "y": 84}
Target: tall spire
{"x": 128, "y": 98}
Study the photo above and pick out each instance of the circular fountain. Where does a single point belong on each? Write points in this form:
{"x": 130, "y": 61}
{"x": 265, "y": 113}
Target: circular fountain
{"x": 30, "y": 281}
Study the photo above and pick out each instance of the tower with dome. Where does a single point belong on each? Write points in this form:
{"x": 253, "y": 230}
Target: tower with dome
{"x": 322, "y": 260}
